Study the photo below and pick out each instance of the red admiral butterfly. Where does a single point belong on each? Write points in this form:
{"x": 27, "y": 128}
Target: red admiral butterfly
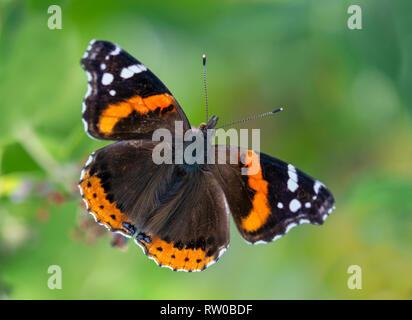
{"x": 179, "y": 214}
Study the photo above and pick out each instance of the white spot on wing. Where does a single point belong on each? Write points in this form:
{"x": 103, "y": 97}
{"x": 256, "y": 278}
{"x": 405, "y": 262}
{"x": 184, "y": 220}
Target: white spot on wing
{"x": 277, "y": 237}
{"x": 210, "y": 263}
{"x": 293, "y": 178}
{"x": 137, "y": 242}
{"x": 291, "y": 168}
{"x": 86, "y": 127}
{"x": 292, "y": 185}
{"x": 130, "y": 71}
{"x": 290, "y": 226}
{"x": 112, "y": 92}
{"x": 126, "y": 73}
{"x": 280, "y": 205}
{"x": 89, "y": 91}
{"x": 295, "y": 205}
{"x": 91, "y": 43}
{"x": 222, "y": 252}
{"x": 86, "y": 54}
{"x": 328, "y": 213}
{"x": 168, "y": 267}
{"x": 107, "y": 79}
{"x": 317, "y": 186}
{"x": 116, "y": 51}
{"x": 89, "y": 87}
{"x": 259, "y": 242}
{"x": 89, "y": 160}
{"x": 136, "y": 68}
{"x": 151, "y": 258}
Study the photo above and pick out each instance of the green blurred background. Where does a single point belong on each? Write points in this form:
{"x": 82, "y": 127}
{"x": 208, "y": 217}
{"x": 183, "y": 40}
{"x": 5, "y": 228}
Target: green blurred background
{"x": 347, "y": 121}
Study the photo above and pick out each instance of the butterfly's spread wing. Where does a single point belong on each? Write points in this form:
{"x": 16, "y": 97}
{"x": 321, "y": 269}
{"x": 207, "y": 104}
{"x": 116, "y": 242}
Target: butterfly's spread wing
{"x": 179, "y": 218}
{"x": 125, "y": 100}
{"x": 265, "y": 205}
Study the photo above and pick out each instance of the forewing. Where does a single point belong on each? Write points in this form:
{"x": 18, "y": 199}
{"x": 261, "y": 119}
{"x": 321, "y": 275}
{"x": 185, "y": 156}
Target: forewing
{"x": 125, "y": 100}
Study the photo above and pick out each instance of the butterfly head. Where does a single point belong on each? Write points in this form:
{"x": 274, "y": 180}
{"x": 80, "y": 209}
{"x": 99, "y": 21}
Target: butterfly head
{"x": 211, "y": 124}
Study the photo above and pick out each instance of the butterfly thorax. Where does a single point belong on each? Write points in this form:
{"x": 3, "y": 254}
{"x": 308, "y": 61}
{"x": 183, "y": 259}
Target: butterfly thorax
{"x": 196, "y": 149}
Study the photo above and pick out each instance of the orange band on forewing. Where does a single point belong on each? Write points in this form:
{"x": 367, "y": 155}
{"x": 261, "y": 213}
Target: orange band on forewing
{"x": 112, "y": 115}
{"x": 114, "y": 112}
{"x": 105, "y": 211}
{"x": 166, "y": 254}
{"x": 158, "y": 101}
{"x": 260, "y": 206}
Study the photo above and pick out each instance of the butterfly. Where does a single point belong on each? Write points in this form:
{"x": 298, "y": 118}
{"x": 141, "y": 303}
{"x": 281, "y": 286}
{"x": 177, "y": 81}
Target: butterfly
{"x": 179, "y": 213}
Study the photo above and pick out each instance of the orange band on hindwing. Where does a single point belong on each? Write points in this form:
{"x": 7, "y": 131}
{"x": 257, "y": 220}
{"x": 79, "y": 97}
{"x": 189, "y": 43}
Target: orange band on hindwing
{"x": 103, "y": 210}
{"x": 175, "y": 255}
{"x": 115, "y": 112}
{"x": 260, "y": 206}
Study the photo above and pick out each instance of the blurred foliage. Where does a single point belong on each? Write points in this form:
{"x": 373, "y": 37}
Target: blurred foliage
{"x": 347, "y": 121}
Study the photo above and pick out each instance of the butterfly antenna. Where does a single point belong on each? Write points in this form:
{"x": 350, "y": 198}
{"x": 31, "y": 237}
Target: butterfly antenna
{"x": 204, "y": 84}
{"x": 251, "y": 118}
